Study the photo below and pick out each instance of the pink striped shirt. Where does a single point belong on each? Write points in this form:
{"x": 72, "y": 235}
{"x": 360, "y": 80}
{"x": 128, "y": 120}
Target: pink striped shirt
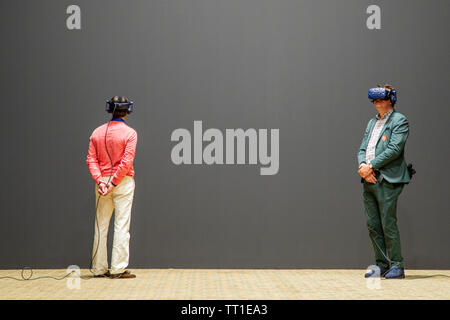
{"x": 121, "y": 141}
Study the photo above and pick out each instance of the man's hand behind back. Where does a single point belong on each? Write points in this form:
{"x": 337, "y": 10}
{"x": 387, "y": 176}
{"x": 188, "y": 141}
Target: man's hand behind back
{"x": 104, "y": 188}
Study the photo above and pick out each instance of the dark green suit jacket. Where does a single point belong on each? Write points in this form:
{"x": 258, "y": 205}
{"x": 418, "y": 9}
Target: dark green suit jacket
{"x": 389, "y": 154}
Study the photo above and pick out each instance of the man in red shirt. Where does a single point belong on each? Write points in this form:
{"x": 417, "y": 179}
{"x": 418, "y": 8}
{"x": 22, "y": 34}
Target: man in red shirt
{"x": 112, "y": 147}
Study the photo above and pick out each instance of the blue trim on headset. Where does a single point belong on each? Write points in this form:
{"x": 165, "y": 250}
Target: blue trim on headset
{"x": 110, "y": 106}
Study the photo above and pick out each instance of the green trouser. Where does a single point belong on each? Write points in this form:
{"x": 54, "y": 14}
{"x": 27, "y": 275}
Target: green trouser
{"x": 380, "y": 202}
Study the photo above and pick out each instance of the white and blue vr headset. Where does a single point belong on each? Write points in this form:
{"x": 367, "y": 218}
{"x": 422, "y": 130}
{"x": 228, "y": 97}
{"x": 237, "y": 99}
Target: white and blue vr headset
{"x": 383, "y": 94}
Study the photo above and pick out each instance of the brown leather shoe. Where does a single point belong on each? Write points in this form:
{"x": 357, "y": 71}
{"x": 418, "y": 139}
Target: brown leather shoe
{"x": 105, "y": 275}
{"x": 124, "y": 275}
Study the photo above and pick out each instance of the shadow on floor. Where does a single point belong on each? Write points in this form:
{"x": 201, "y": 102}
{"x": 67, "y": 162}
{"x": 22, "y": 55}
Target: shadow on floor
{"x": 417, "y": 277}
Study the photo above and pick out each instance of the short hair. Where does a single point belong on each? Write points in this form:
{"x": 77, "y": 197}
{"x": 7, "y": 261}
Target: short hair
{"x": 386, "y": 85}
{"x": 119, "y": 113}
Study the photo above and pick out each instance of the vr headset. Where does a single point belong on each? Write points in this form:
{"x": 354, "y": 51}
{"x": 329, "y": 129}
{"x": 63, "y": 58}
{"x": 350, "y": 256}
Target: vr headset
{"x": 119, "y": 106}
{"x": 383, "y": 94}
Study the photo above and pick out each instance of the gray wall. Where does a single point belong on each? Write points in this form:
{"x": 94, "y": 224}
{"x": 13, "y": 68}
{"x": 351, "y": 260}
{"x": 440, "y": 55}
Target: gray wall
{"x": 301, "y": 66}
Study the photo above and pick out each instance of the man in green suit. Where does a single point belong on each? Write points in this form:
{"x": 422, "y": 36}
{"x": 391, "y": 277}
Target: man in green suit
{"x": 384, "y": 172}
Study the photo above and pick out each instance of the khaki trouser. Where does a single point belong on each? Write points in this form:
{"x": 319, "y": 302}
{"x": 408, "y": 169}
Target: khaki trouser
{"x": 121, "y": 199}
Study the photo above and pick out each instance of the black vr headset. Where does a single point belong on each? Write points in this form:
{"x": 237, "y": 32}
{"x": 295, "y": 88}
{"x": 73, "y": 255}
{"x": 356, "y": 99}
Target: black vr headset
{"x": 383, "y": 94}
{"x": 119, "y": 106}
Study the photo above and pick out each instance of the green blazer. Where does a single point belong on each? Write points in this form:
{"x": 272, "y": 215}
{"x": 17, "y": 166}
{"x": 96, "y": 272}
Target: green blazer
{"x": 389, "y": 154}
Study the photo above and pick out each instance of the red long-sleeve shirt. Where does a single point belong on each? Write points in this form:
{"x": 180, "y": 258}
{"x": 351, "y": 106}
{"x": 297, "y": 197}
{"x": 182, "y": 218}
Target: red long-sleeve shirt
{"x": 121, "y": 141}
